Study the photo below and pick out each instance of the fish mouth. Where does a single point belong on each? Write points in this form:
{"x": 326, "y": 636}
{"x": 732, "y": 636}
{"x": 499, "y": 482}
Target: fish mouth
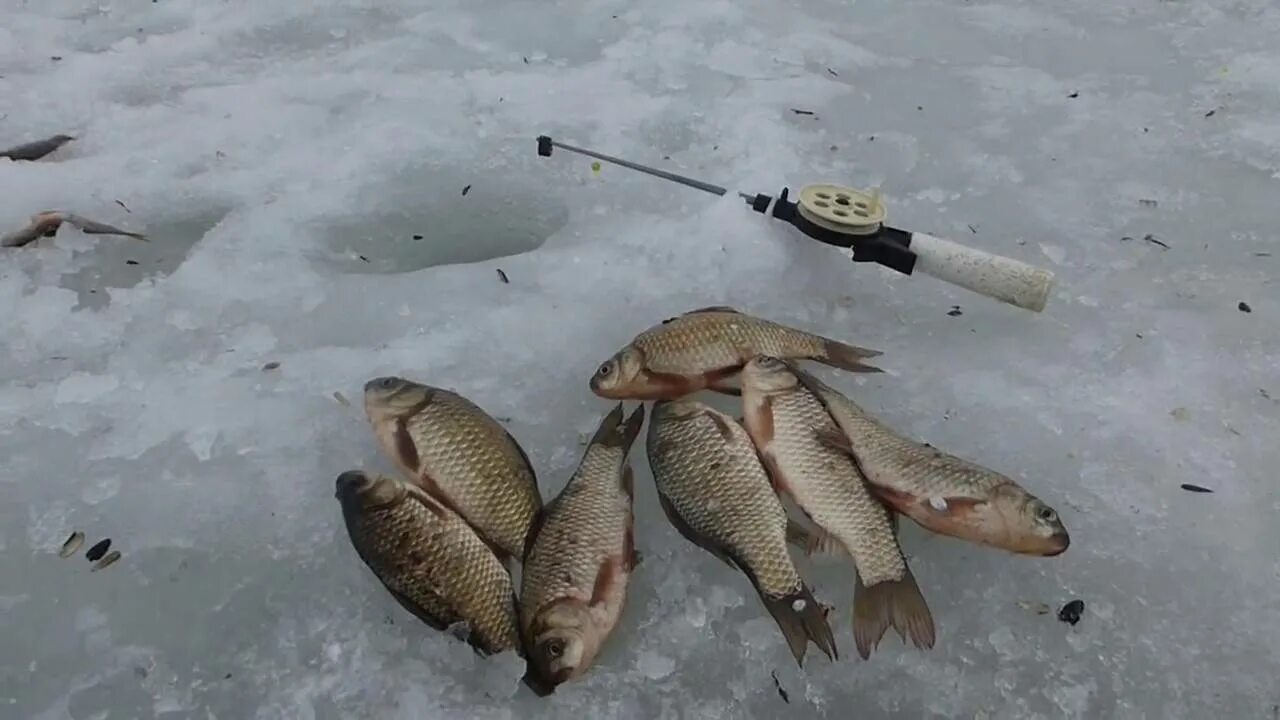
{"x": 349, "y": 482}
{"x": 544, "y": 685}
{"x": 1058, "y": 544}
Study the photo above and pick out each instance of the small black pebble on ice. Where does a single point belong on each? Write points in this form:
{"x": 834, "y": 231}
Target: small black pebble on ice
{"x": 96, "y": 552}
{"x": 1074, "y": 95}
{"x": 1070, "y": 613}
{"x": 526, "y": 61}
{"x": 227, "y": 676}
{"x": 801, "y": 112}
{"x": 271, "y": 366}
{"x": 55, "y": 58}
{"x": 417, "y": 237}
{"x": 363, "y": 258}
{"x": 1195, "y": 488}
{"x": 833, "y": 72}
{"x": 1244, "y": 307}
{"x": 503, "y": 276}
{"x": 466, "y": 190}
{"x": 130, "y": 262}
{"x": 919, "y": 107}
{"x": 972, "y": 229}
{"x": 955, "y": 311}
{"x": 1211, "y": 113}
{"x": 781, "y": 693}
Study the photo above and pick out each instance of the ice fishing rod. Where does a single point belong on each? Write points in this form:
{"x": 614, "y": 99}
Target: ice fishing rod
{"x": 849, "y": 218}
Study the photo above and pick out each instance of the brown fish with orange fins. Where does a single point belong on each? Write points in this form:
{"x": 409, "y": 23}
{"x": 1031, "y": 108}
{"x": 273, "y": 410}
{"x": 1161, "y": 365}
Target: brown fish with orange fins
{"x": 784, "y": 420}
{"x": 942, "y": 493}
{"x": 578, "y": 559}
{"x": 453, "y": 449}
{"x": 705, "y": 349}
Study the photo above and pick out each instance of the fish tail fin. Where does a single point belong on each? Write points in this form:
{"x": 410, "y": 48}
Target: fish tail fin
{"x": 614, "y": 432}
{"x": 894, "y": 603}
{"x": 801, "y": 618}
{"x": 844, "y": 356}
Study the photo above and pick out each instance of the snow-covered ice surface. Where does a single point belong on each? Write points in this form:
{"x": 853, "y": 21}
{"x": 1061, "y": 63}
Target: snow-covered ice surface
{"x": 267, "y": 146}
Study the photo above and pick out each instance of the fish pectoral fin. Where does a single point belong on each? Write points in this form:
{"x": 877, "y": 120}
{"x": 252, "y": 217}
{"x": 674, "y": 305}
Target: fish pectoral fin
{"x": 813, "y": 541}
{"x": 606, "y": 580}
{"x": 833, "y": 437}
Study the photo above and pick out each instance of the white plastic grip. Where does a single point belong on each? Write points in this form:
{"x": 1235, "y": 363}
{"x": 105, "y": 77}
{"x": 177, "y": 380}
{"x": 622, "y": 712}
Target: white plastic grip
{"x": 1002, "y": 278}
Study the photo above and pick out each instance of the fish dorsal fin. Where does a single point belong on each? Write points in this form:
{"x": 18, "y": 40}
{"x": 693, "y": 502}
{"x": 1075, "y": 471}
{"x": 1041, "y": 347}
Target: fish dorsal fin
{"x": 714, "y": 309}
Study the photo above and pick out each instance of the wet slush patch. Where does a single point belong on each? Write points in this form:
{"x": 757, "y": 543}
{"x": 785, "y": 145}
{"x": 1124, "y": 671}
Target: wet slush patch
{"x": 122, "y": 262}
{"x": 422, "y": 218}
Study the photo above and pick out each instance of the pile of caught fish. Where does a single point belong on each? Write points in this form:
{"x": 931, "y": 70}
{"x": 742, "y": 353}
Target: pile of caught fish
{"x": 803, "y": 466}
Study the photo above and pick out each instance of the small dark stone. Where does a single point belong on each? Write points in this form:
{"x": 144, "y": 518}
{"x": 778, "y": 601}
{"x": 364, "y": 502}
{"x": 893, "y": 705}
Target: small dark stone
{"x": 95, "y": 553}
{"x": 955, "y": 311}
{"x": 55, "y": 58}
{"x": 130, "y": 262}
{"x": 271, "y": 366}
{"x": 1074, "y": 95}
{"x": 363, "y": 258}
{"x": 503, "y": 276}
{"x": 1195, "y": 488}
{"x": 1070, "y": 613}
{"x": 417, "y": 237}
{"x": 227, "y": 676}
{"x": 1244, "y": 307}
{"x": 466, "y": 190}
{"x": 1211, "y": 113}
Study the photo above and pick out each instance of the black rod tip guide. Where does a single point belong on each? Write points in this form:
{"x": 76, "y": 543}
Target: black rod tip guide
{"x": 544, "y": 146}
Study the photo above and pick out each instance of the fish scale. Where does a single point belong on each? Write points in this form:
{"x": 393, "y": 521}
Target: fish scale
{"x": 474, "y": 463}
{"x": 717, "y": 494}
{"x": 721, "y": 491}
{"x": 827, "y": 485}
{"x": 459, "y": 452}
{"x": 941, "y": 492}
{"x": 578, "y": 559}
{"x": 434, "y": 563}
{"x": 787, "y": 422}
{"x": 585, "y": 525}
{"x": 703, "y": 341}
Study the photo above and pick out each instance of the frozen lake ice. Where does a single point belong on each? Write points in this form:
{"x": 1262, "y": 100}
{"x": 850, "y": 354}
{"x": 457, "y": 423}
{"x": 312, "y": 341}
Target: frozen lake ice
{"x": 300, "y": 169}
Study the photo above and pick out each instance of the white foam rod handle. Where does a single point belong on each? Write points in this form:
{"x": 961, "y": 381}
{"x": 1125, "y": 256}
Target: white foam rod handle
{"x": 1002, "y": 278}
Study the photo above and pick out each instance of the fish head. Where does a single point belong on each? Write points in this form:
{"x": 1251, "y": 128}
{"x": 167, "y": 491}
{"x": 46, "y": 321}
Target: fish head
{"x": 392, "y": 396}
{"x": 768, "y": 375}
{"x": 622, "y": 376}
{"x": 360, "y": 490}
{"x": 1026, "y": 523}
{"x": 563, "y": 643}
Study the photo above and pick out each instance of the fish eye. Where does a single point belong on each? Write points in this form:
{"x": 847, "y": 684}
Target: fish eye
{"x": 1047, "y": 514}
{"x": 604, "y": 370}
{"x": 553, "y": 648}
{"x": 386, "y": 383}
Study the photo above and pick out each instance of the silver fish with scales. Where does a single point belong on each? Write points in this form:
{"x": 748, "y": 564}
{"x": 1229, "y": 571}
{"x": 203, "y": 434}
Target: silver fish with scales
{"x": 578, "y": 559}
{"x": 716, "y": 493}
